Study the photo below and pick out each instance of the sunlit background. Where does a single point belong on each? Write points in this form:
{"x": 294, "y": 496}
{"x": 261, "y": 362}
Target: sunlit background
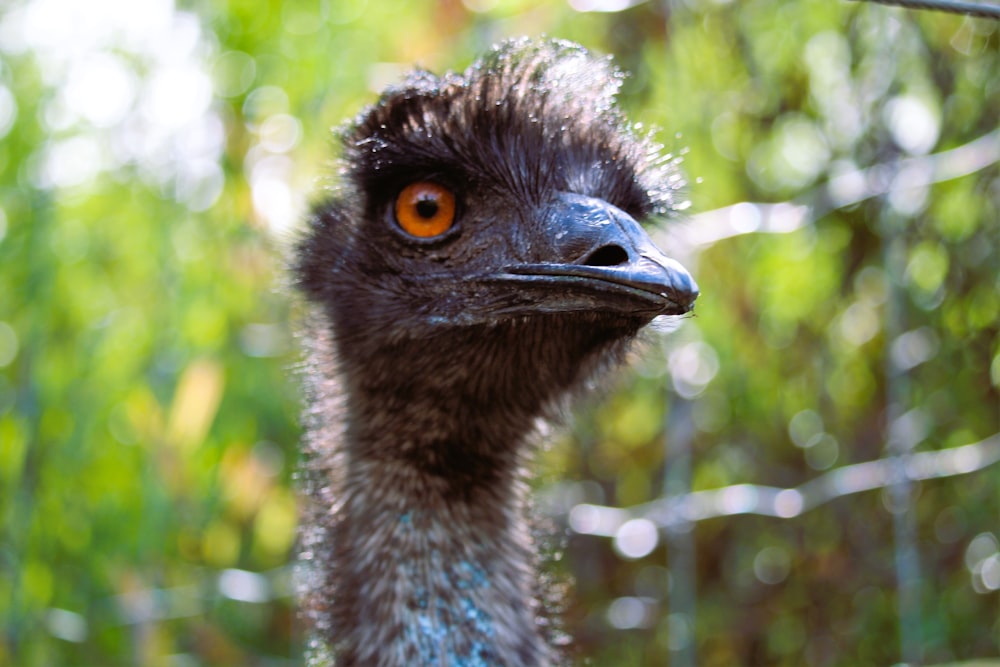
{"x": 801, "y": 474}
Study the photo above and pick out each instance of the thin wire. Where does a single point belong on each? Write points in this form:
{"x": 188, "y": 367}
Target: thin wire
{"x": 977, "y": 9}
{"x": 789, "y": 503}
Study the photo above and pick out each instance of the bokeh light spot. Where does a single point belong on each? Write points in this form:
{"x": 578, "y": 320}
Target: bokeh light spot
{"x": 66, "y": 625}
{"x": 100, "y": 89}
{"x": 244, "y": 586}
{"x": 636, "y": 538}
{"x": 626, "y": 613}
{"x": 771, "y": 565}
{"x": 914, "y": 125}
{"x": 804, "y": 426}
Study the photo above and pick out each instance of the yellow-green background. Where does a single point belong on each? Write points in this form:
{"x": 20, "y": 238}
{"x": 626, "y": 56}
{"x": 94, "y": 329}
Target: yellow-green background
{"x": 148, "y": 405}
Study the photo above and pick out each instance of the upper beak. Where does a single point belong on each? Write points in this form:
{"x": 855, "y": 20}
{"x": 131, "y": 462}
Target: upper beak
{"x": 605, "y": 260}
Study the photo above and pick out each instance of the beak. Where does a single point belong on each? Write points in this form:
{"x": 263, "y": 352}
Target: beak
{"x": 604, "y": 261}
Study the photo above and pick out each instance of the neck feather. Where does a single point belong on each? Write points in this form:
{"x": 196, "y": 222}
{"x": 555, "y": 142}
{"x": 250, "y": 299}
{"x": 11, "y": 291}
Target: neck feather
{"x": 426, "y": 577}
{"x": 416, "y": 530}
{"x": 415, "y": 542}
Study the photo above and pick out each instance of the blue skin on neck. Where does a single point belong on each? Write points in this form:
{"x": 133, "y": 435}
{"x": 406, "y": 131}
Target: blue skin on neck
{"x": 455, "y": 626}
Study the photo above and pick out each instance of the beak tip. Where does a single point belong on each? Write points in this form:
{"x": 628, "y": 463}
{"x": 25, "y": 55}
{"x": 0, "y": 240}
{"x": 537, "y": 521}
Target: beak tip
{"x": 685, "y": 289}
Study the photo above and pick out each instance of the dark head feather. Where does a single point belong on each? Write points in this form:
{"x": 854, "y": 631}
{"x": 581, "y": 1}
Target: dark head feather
{"x": 536, "y": 117}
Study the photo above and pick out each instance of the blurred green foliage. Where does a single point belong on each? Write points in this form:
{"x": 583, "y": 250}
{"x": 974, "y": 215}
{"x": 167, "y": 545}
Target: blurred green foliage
{"x": 153, "y": 159}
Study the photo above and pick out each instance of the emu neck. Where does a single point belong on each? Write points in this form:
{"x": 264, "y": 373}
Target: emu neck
{"x": 418, "y": 492}
{"x": 433, "y": 552}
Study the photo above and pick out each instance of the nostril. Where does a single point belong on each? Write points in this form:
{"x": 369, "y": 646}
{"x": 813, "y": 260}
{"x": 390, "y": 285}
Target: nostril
{"x": 608, "y": 255}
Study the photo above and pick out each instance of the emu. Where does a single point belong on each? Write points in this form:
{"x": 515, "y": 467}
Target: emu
{"x": 479, "y": 261}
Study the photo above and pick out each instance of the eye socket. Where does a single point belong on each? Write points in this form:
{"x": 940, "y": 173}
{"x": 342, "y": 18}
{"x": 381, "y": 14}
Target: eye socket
{"x": 425, "y": 209}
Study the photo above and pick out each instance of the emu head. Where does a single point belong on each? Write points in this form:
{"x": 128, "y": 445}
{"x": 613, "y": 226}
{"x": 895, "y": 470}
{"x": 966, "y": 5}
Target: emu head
{"x": 505, "y": 197}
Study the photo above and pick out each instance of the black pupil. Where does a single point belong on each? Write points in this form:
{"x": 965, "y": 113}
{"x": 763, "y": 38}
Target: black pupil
{"x": 427, "y": 208}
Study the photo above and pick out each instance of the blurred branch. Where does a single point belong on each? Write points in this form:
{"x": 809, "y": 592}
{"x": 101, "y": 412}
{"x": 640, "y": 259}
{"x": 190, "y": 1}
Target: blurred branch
{"x": 677, "y": 511}
{"x": 150, "y": 605}
{"x": 978, "y": 9}
{"x": 843, "y": 190}
{"x": 145, "y": 606}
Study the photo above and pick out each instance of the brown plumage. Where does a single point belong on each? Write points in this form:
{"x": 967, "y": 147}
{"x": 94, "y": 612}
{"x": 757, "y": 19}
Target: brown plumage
{"x": 479, "y": 260}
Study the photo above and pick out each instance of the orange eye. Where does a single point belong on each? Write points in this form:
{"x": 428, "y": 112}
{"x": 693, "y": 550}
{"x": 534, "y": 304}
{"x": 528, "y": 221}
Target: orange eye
{"x": 425, "y": 209}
